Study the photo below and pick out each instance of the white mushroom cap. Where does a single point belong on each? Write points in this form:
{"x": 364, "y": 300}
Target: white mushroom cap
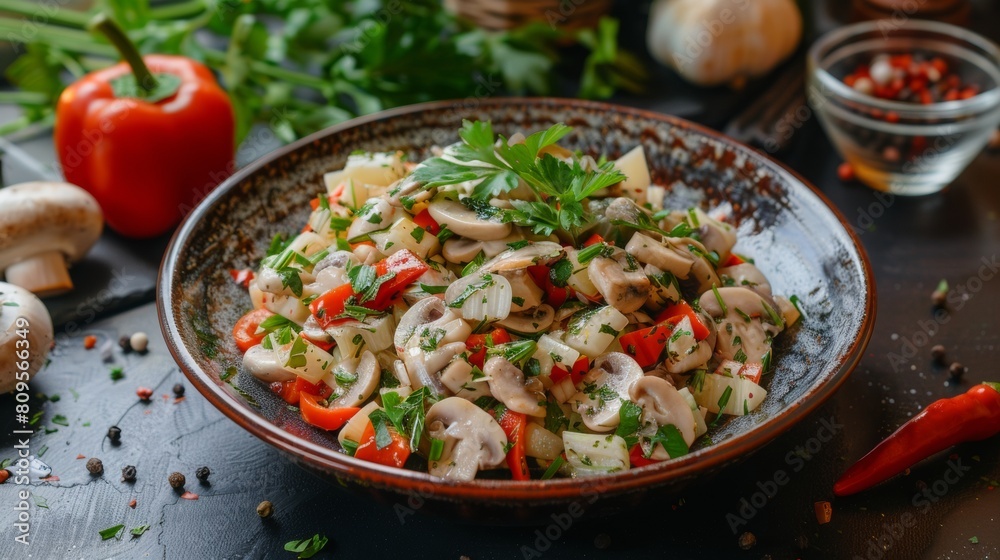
{"x": 43, "y": 227}
{"x": 605, "y": 385}
{"x": 663, "y": 404}
{"x": 508, "y": 385}
{"x": 465, "y": 222}
{"x": 23, "y": 317}
{"x": 367, "y": 375}
{"x": 472, "y": 438}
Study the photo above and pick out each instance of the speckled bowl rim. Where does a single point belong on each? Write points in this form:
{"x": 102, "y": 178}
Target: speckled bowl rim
{"x": 490, "y": 490}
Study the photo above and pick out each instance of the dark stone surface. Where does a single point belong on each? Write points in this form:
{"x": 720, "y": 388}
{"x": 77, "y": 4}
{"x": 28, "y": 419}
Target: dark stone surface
{"x": 913, "y": 243}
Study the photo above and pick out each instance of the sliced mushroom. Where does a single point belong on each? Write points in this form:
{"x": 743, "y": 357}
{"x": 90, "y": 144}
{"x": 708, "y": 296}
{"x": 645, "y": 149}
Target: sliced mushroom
{"x": 702, "y": 270}
{"x": 266, "y": 365}
{"x": 364, "y": 379}
{"x": 406, "y": 192}
{"x": 24, "y": 325}
{"x": 533, "y": 321}
{"x": 44, "y": 227}
{"x": 376, "y": 214}
{"x": 428, "y": 338}
{"x": 715, "y": 235}
{"x": 524, "y": 293}
{"x": 659, "y": 254}
{"x": 684, "y": 351}
{"x": 538, "y": 252}
{"x": 472, "y": 439}
{"x": 745, "y": 275}
{"x": 462, "y": 249}
{"x": 508, "y": 385}
{"x": 620, "y": 280}
{"x": 605, "y": 385}
{"x": 466, "y": 222}
{"x": 426, "y": 312}
{"x": 663, "y": 405}
{"x": 459, "y": 379}
{"x": 743, "y": 326}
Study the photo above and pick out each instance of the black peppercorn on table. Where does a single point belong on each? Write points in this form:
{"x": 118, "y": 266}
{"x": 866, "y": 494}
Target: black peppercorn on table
{"x": 948, "y": 507}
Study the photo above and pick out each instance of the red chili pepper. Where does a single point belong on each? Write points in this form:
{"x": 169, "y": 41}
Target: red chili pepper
{"x": 424, "y": 220}
{"x": 394, "y": 455}
{"x": 698, "y": 328}
{"x": 147, "y": 137}
{"x": 406, "y": 267}
{"x": 245, "y": 331}
{"x": 476, "y": 344}
{"x": 514, "y": 425}
{"x": 971, "y": 416}
{"x": 321, "y": 416}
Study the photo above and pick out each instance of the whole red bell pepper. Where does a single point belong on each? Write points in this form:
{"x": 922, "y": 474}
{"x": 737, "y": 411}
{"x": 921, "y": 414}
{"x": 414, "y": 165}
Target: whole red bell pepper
{"x": 148, "y": 137}
{"x": 971, "y": 416}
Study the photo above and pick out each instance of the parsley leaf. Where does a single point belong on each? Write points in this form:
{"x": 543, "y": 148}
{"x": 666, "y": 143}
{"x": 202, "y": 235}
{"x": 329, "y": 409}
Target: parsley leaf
{"x": 307, "y": 548}
{"x": 629, "y": 422}
{"x": 671, "y": 439}
{"x": 111, "y": 532}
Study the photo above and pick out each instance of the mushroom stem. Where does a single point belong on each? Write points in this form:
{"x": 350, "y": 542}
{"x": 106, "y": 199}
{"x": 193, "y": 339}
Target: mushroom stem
{"x": 44, "y": 274}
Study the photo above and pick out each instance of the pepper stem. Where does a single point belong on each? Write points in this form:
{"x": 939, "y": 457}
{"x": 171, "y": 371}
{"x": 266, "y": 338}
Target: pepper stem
{"x": 126, "y": 48}
{"x": 995, "y": 386}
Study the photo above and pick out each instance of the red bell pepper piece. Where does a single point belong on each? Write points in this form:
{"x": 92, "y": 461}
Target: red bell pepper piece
{"x": 576, "y": 373}
{"x": 699, "y": 329}
{"x": 971, "y": 416}
{"x": 637, "y": 458}
{"x": 424, "y": 220}
{"x": 646, "y": 345}
{"x": 752, "y": 371}
{"x": 287, "y": 390}
{"x": 242, "y": 277}
{"x": 319, "y": 389}
{"x": 554, "y": 295}
{"x": 593, "y": 240}
{"x": 394, "y": 455}
{"x": 245, "y": 330}
{"x": 733, "y": 260}
{"x": 150, "y": 152}
{"x": 476, "y": 343}
{"x": 406, "y": 267}
{"x": 514, "y": 424}
{"x": 321, "y": 416}
{"x": 330, "y": 198}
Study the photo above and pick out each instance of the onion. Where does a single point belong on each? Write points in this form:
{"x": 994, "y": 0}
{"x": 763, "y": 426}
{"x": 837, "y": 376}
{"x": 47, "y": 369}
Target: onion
{"x": 481, "y": 297}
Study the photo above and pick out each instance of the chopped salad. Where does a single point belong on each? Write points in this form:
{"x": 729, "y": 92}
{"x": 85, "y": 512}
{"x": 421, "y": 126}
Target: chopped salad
{"x": 510, "y": 306}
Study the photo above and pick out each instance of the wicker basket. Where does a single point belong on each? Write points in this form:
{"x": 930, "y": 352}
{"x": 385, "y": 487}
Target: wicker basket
{"x": 506, "y": 14}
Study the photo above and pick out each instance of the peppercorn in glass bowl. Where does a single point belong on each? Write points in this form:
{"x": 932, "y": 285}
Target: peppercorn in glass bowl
{"x": 907, "y": 105}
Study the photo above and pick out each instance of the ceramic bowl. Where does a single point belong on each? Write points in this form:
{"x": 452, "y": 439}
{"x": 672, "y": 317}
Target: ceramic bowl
{"x": 801, "y": 243}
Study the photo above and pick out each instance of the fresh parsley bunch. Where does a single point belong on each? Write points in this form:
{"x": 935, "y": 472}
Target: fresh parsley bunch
{"x": 559, "y": 188}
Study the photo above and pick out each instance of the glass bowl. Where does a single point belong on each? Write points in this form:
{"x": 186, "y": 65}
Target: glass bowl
{"x": 901, "y": 147}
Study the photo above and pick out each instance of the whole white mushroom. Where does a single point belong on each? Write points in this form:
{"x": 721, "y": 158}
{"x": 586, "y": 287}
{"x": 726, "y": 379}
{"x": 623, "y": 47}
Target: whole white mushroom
{"x": 25, "y": 336}
{"x": 44, "y": 226}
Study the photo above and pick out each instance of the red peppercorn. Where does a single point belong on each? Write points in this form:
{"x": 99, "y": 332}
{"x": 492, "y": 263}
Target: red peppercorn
{"x": 892, "y": 117}
{"x": 845, "y": 172}
{"x": 144, "y": 393}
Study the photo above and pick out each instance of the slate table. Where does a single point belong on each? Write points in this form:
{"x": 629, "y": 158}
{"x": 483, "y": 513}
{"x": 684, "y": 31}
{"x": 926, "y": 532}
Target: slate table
{"x": 929, "y": 513}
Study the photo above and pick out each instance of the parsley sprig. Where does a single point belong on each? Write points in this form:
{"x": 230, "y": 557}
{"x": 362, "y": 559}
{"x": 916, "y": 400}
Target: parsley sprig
{"x": 559, "y": 188}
